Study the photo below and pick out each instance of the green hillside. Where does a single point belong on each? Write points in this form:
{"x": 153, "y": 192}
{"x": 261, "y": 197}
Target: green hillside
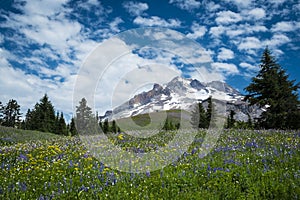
{"x": 10, "y": 135}
{"x": 154, "y": 120}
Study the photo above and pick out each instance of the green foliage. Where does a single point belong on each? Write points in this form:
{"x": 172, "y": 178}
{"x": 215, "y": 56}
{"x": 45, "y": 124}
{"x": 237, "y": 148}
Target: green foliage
{"x": 169, "y": 125}
{"x": 243, "y": 165}
{"x": 73, "y": 130}
{"x": 230, "y": 119}
{"x": 1, "y": 112}
{"x": 199, "y": 117}
{"x": 86, "y": 122}
{"x": 11, "y": 114}
{"x": 61, "y": 126}
{"x": 42, "y": 117}
{"x": 105, "y": 128}
{"x": 113, "y": 127}
{"x": 272, "y": 88}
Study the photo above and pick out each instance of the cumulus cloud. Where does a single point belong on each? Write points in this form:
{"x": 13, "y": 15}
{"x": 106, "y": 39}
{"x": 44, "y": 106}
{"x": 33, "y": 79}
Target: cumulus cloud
{"x": 241, "y": 4}
{"x": 225, "y": 54}
{"x": 227, "y": 68}
{"x": 285, "y": 26}
{"x": 250, "y": 43}
{"x": 228, "y": 17}
{"x": 277, "y": 40}
{"x": 198, "y": 31}
{"x": 234, "y": 30}
{"x": 257, "y": 13}
{"x": 186, "y": 4}
{"x": 248, "y": 66}
{"x": 157, "y": 21}
{"x": 135, "y": 8}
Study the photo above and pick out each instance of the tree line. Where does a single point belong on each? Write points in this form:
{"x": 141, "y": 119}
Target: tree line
{"x": 272, "y": 91}
{"x": 41, "y": 118}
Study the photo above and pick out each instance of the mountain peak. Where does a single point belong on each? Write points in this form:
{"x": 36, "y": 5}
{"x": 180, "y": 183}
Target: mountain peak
{"x": 179, "y": 93}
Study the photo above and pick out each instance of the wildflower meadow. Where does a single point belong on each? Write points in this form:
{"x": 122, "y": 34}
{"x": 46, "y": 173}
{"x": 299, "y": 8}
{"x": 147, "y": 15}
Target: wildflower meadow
{"x": 245, "y": 164}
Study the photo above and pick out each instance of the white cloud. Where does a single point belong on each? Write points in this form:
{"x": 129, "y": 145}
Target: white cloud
{"x": 249, "y": 43}
{"x": 157, "y": 21}
{"x": 217, "y": 31}
{"x": 226, "y": 68}
{"x": 186, "y": 4}
{"x": 197, "y": 31}
{"x": 285, "y": 26}
{"x": 236, "y": 30}
{"x": 114, "y": 24}
{"x": 228, "y": 17}
{"x": 135, "y": 8}
{"x": 277, "y": 40}
{"x": 205, "y": 74}
{"x": 211, "y": 6}
{"x": 241, "y": 4}
{"x": 225, "y": 54}
{"x": 257, "y": 13}
{"x": 248, "y": 66}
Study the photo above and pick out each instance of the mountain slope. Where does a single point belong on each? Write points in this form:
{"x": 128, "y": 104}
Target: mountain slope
{"x": 181, "y": 93}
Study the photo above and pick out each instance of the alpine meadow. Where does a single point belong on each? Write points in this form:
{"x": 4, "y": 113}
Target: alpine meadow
{"x": 138, "y": 100}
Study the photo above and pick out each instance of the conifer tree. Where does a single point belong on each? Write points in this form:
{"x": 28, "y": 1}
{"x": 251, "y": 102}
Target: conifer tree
{"x": 43, "y": 116}
{"x": 230, "y": 119}
{"x": 272, "y": 90}
{"x": 1, "y": 112}
{"x": 105, "y": 128}
{"x": 85, "y": 120}
{"x": 11, "y": 114}
{"x": 199, "y": 117}
{"x": 62, "y": 127}
{"x": 73, "y": 130}
{"x": 209, "y": 112}
{"x": 114, "y": 127}
{"x": 28, "y": 120}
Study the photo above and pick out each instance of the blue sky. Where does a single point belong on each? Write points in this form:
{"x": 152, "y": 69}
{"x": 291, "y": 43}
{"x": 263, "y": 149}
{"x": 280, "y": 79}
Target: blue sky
{"x": 44, "y": 43}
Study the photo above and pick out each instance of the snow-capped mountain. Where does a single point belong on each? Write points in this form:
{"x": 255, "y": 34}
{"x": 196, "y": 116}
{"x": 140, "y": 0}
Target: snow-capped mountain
{"x": 180, "y": 93}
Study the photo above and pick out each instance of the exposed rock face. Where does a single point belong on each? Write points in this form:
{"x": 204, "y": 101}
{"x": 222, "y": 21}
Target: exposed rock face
{"x": 181, "y": 93}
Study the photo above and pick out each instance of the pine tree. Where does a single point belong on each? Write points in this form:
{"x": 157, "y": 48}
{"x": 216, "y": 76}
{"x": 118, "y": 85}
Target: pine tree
{"x": 199, "y": 117}
{"x": 57, "y": 125}
{"x": 28, "y": 120}
{"x": 209, "y": 112}
{"x": 11, "y": 114}
{"x": 230, "y": 119}
{"x": 85, "y": 120}
{"x": 73, "y": 130}
{"x": 114, "y": 127}
{"x": 62, "y": 127}
{"x": 105, "y": 128}
{"x": 1, "y": 112}
{"x": 272, "y": 89}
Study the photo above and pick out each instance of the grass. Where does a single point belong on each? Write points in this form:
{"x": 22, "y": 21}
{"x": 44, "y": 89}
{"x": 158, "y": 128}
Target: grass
{"x": 243, "y": 165}
{"x": 10, "y": 135}
{"x": 154, "y": 121}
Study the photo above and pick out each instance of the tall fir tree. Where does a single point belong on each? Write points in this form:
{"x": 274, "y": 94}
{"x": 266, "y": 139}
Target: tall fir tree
{"x": 210, "y": 113}
{"x": 11, "y": 114}
{"x": 230, "y": 119}
{"x": 62, "y": 127}
{"x": 42, "y": 117}
{"x": 1, "y": 112}
{"x": 105, "y": 126}
{"x": 73, "y": 130}
{"x": 28, "y": 120}
{"x": 273, "y": 90}
{"x": 85, "y": 120}
{"x": 199, "y": 117}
